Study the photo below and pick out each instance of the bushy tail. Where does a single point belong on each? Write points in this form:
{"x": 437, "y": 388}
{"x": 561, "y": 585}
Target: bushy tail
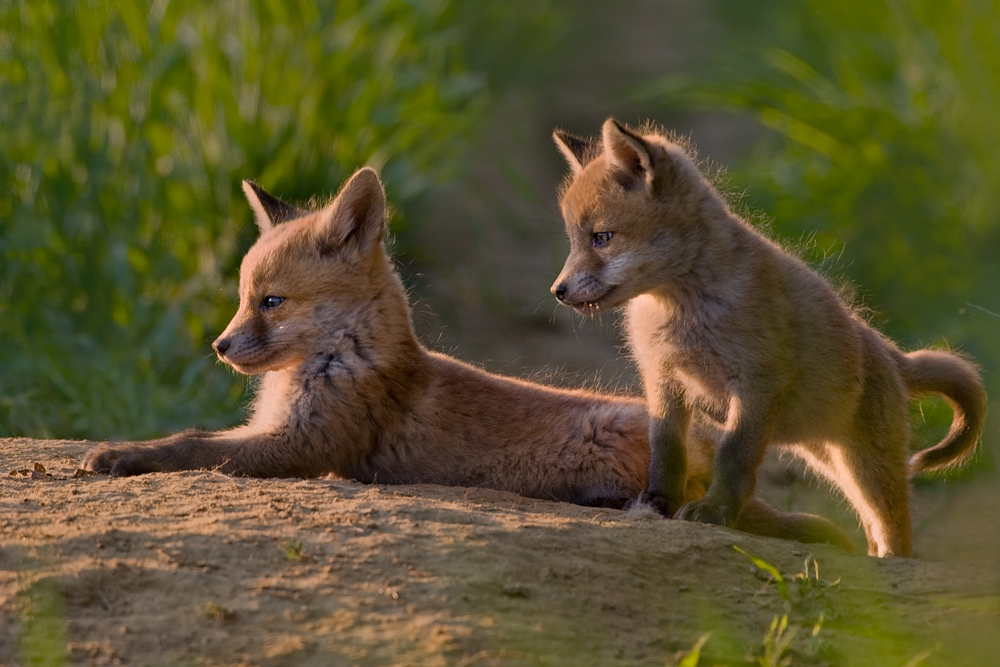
{"x": 959, "y": 382}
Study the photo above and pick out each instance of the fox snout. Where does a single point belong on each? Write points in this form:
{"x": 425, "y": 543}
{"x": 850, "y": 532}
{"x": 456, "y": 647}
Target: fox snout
{"x": 583, "y": 291}
{"x": 220, "y": 346}
{"x": 245, "y": 350}
{"x": 564, "y": 288}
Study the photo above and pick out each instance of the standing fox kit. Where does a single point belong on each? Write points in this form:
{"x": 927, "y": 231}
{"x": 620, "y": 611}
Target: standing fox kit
{"x": 727, "y": 328}
{"x": 348, "y": 389}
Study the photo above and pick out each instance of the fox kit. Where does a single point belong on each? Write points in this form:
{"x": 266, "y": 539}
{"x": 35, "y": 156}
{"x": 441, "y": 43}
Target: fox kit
{"x": 726, "y": 328}
{"x": 348, "y": 389}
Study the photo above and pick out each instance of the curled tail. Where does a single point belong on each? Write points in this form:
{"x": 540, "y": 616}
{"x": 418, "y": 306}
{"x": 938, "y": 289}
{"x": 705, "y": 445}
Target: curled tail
{"x": 959, "y": 382}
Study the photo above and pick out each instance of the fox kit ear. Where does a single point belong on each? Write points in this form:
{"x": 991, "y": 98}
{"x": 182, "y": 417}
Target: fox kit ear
{"x": 577, "y": 151}
{"x": 267, "y": 210}
{"x": 356, "y": 218}
{"x": 628, "y": 152}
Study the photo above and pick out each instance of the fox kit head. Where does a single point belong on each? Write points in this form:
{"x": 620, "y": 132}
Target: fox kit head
{"x": 307, "y": 271}
{"x": 630, "y": 207}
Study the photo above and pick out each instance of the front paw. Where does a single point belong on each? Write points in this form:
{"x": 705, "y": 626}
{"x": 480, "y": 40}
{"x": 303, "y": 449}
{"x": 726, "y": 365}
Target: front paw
{"x": 120, "y": 460}
{"x": 658, "y": 502}
{"x": 706, "y": 511}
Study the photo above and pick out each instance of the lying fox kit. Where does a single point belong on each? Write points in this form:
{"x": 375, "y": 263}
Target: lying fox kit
{"x": 348, "y": 389}
{"x": 727, "y": 328}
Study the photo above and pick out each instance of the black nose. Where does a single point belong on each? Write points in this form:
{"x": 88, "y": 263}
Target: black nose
{"x": 560, "y": 291}
{"x": 221, "y": 346}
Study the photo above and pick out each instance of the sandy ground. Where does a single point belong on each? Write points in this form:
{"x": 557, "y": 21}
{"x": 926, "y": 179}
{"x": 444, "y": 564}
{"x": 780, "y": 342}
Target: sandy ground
{"x": 203, "y": 569}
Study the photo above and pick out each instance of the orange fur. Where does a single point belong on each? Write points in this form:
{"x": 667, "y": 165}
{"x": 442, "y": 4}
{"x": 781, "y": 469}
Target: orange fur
{"x": 347, "y": 388}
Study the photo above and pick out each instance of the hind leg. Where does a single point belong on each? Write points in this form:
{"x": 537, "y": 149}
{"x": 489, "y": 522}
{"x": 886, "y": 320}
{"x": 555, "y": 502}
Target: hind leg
{"x": 880, "y": 491}
{"x": 874, "y": 481}
{"x": 760, "y": 518}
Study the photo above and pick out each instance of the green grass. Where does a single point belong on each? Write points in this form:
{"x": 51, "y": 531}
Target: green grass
{"x": 127, "y": 128}
{"x": 43, "y": 625}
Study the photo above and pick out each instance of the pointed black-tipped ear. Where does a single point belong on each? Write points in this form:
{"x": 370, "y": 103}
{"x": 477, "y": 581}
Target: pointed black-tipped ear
{"x": 629, "y": 153}
{"x": 355, "y": 220}
{"x": 578, "y": 152}
{"x": 268, "y": 211}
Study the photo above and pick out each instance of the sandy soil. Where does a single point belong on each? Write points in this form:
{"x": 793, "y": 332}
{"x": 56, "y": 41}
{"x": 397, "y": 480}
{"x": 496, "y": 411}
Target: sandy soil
{"x": 203, "y": 569}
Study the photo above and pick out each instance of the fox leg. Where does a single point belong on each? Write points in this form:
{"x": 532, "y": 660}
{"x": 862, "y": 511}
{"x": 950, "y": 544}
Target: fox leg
{"x": 877, "y": 489}
{"x": 233, "y": 453}
{"x": 668, "y": 427}
{"x": 734, "y": 468}
{"x": 759, "y": 518}
{"x": 880, "y": 491}
{"x": 869, "y": 464}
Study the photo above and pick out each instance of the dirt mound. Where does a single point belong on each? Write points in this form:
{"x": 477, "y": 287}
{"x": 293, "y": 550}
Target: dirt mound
{"x": 203, "y": 569}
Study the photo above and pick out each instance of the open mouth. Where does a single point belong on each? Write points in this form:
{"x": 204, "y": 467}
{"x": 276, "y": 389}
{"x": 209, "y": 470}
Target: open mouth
{"x": 588, "y": 307}
{"x": 602, "y": 303}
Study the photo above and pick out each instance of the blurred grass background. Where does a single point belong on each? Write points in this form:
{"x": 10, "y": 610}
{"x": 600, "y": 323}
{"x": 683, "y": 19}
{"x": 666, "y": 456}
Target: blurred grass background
{"x": 863, "y": 132}
{"x": 126, "y": 129}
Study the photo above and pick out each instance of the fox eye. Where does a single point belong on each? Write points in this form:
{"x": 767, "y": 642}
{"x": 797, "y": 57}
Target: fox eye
{"x": 271, "y": 302}
{"x": 601, "y": 239}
